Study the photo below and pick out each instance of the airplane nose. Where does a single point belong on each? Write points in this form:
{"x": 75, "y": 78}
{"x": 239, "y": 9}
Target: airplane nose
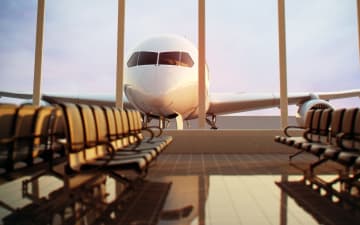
{"x": 151, "y": 102}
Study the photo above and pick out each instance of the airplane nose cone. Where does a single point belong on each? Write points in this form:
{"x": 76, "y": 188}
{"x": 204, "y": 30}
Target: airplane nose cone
{"x": 153, "y": 103}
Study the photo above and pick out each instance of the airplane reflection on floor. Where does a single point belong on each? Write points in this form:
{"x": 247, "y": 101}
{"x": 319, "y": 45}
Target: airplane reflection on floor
{"x": 166, "y": 200}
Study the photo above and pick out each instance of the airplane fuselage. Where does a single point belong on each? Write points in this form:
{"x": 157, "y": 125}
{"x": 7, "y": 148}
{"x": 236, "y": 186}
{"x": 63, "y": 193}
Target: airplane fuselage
{"x": 161, "y": 77}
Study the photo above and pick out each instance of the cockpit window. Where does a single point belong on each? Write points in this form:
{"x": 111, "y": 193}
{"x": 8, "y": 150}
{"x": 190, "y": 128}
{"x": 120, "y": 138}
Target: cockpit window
{"x": 147, "y": 58}
{"x": 175, "y": 58}
{"x": 169, "y": 58}
{"x": 186, "y": 59}
{"x": 165, "y": 58}
{"x": 133, "y": 59}
{"x": 142, "y": 58}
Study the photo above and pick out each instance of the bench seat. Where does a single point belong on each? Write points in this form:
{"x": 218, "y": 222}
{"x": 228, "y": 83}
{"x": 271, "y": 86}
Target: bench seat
{"x": 333, "y": 135}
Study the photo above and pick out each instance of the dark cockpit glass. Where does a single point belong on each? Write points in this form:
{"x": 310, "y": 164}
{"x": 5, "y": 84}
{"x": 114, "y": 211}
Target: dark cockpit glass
{"x": 142, "y": 58}
{"x": 175, "y": 58}
{"x": 147, "y": 58}
{"x": 186, "y": 60}
{"x": 169, "y": 58}
{"x": 165, "y": 58}
{"x": 133, "y": 59}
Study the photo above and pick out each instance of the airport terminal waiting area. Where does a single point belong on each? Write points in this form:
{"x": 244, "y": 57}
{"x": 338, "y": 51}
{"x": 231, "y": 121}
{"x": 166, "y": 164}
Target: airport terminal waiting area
{"x": 86, "y": 164}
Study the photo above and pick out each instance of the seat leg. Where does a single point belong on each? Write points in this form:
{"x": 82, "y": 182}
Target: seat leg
{"x": 295, "y": 154}
{"x": 317, "y": 163}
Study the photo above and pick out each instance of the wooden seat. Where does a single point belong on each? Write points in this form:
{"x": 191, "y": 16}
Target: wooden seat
{"x": 26, "y": 136}
{"x": 42, "y": 132}
{"x": 329, "y": 139}
{"x": 90, "y": 138}
{"x": 320, "y": 138}
{"x": 337, "y": 139}
{"x": 342, "y": 123}
{"x": 298, "y": 141}
{"x": 23, "y": 139}
{"x": 159, "y": 137}
{"x": 118, "y": 143}
{"x": 133, "y": 141}
{"x": 136, "y": 128}
{"x": 290, "y": 140}
{"x": 86, "y": 151}
{"x": 347, "y": 151}
{"x": 7, "y": 121}
{"x": 122, "y": 126}
{"x": 58, "y": 130}
{"x": 311, "y": 135}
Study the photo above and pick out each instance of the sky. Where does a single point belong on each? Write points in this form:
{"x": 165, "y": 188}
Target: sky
{"x": 241, "y": 44}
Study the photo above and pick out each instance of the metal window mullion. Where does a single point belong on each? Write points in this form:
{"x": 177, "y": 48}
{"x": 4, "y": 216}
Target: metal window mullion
{"x": 38, "y": 52}
{"x": 120, "y": 54}
{"x": 282, "y": 64}
{"x": 201, "y": 60}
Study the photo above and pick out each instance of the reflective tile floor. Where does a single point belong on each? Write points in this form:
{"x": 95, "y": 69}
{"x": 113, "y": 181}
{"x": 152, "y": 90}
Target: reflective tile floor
{"x": 180, "y": 189}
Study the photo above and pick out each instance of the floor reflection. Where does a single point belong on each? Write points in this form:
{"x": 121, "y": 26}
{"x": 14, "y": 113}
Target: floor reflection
{"x": 165, "y": 200}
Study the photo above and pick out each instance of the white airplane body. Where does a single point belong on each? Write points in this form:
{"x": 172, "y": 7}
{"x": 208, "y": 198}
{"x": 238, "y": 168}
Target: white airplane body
{"x": 168, "y": 85}
{"x": 165, "y": 86}
{"x": 161, "y": 80}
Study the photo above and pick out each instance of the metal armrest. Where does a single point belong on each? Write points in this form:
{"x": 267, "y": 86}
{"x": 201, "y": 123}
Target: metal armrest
{"x": 305, "y": 135}
{"x": 155, "y": 127}
{"x": 340, "y": 137}
{"x": 110, "y": 149}
{"x": 152, "y": 135}
{"x": 138, "y": 141}
{"x": 292, "y": 127}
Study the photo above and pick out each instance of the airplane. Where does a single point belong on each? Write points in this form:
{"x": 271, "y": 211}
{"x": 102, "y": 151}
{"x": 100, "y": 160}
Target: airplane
{"x": 161, "y": 80}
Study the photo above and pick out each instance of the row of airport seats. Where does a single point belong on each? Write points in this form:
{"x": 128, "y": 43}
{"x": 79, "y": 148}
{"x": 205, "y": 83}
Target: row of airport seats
{"x": 25, "y": 136}
{"x": 86, "y": 137}
{"x": 90, "y": 141}
{"x": 109, "y": 139}
{"x": 331, "y": 135}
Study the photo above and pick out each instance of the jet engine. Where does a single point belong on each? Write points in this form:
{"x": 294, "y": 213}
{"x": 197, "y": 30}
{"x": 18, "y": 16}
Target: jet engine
{"x": 308, "y": 105}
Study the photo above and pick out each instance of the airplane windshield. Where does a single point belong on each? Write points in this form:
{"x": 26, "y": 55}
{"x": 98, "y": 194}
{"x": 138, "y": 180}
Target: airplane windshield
{"x": 147, "y": 58}
{"x": 186, "y": 59}
{"x": 142, "y": 58}
{"x": 175, "y": 58}
{"x": 165, "y": 58}
{"x": 133, "y": 59}
{"x": 169, "y": 58}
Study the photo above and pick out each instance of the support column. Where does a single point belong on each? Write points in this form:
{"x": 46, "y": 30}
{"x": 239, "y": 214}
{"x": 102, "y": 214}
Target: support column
{"x": 38, "y": 53}
{"x": 283, "y": 67}
{"x": 201, "y": 59}
{"x": 120, "y": 54}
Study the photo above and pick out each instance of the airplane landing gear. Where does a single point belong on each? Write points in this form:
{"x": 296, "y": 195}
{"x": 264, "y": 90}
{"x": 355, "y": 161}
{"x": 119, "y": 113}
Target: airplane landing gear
{"x": 179, "y": 122}
{"x": 212, "y": 122}
{"x": 163, "y": 122}
{"x": 146, "y": 120}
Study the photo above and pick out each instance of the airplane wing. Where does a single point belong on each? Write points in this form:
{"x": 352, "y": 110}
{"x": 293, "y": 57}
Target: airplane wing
{"x": 238, "y": 102}
{"x": 103, "y": 100}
